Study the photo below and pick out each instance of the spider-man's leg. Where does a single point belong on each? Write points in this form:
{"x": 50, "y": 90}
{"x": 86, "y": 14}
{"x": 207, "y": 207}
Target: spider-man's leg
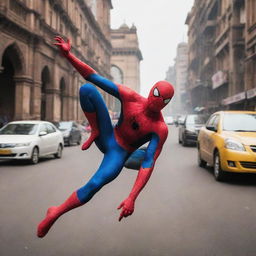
{"x": 109, "y": 169}
{"x": 112, "y": 164}
{"x": 97, "y": 114}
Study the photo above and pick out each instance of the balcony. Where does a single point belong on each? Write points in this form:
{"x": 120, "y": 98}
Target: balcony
{"x": 221, "y": 41}
{"x": 238, "y": 35}
{"x": 209, "y": 26}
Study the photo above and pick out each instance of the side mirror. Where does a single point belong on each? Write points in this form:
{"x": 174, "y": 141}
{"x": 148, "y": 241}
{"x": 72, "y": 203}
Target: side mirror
{"x": 42, "y": 133}
{"x": 211, "y": 128}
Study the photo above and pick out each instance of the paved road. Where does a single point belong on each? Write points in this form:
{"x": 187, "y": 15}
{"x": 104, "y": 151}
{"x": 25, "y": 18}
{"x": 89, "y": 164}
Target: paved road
{"x": 182, "y": 211}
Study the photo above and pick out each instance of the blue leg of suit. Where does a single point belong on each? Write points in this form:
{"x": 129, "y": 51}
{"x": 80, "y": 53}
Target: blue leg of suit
{"x": 114, "y": 156}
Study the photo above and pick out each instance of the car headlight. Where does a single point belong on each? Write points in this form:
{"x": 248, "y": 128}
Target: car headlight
{"x": 234, "y": 145}
{"x": 22, "y": 144}
{"x": 65, "y": 134}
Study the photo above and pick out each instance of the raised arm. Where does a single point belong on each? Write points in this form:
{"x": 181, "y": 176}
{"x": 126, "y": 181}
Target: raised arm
{"x": 146, "y": 169}
{"x": 85, "y": 70}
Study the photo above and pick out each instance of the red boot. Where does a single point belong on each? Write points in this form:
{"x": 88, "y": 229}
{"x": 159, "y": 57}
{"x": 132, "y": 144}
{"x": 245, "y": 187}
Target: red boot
{"x": 92, "y": 118}
{"x": 54, "y": 212}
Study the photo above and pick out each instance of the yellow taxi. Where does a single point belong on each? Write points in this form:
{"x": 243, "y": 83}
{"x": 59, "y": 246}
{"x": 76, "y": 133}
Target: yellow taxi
{"x": 228, "y": 143}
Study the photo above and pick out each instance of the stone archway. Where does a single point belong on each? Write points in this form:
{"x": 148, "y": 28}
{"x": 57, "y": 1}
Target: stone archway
{"x": 45, "y": 78}
{"x": 11, "y": 67}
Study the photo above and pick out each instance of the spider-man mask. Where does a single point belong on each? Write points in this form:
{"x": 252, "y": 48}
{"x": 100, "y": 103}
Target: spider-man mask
{"x": 160, "y": 95}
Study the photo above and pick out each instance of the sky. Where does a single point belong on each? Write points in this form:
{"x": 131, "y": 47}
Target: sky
{"x": 160, "y": 27}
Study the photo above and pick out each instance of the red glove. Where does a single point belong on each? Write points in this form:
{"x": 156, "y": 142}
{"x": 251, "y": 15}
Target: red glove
{"x": 128, "y": 208}
{"x": 63, "y": 46}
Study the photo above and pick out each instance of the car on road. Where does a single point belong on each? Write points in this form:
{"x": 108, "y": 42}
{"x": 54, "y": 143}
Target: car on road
{"x": 189, "y": 128}
{"x": 70, "y": 131}
{"x": 228, "y": 143}
{"x": 168, "y": 120}
{"x": 30, "y": 140}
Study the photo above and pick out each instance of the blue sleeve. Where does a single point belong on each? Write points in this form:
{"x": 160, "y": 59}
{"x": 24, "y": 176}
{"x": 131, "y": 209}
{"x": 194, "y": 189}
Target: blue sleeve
{"x": 104, "y": 84}
{"x": 150, "y": 153}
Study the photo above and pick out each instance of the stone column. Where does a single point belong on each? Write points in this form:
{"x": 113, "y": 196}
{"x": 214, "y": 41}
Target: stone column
{"x": 22, "y": 97}
{"x": 36, "y": 100}
{"x": 51, "y": 110}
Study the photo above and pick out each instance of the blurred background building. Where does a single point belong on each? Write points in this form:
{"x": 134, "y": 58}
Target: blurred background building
{"x": 170, "y": 109}
{"x": 125, "y": 59}
{"x": 222, "y": 54}
{"x": 38, "y": 83}
{"x": 178, "y": 76}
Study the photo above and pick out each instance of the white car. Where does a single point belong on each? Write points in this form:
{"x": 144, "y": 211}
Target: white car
{"x": 30, "y": 140}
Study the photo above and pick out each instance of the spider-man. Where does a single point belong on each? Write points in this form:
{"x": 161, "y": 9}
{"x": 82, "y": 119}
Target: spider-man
{"x": 140, "y": 121}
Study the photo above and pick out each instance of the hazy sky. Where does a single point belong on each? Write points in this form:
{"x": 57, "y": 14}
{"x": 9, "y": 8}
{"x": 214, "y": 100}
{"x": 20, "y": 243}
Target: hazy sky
{"x": 160, "y": 27}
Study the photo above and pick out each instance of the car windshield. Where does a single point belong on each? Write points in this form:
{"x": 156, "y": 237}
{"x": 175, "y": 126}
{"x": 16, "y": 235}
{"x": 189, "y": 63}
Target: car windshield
{"x": 19, "y": 129}
{"x": 239, "y": 122}
{"x": 64, "y": 125}
{"x": 195, "y": 119}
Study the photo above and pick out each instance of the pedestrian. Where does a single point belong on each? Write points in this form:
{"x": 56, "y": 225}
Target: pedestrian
{"x": 140, "y": 121}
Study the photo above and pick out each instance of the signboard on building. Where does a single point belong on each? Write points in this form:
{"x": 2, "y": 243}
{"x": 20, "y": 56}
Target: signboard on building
{"x": 235, "y": 98}
{"x": 219, "y": 78}
{"x": 251, "y": 93}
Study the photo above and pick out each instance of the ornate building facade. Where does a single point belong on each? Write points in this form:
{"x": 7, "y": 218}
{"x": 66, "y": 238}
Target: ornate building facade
{"x": 125, "y": 59}
{"x": 222, "y": 54}
{"x": 35, "y": 81}
{"x": 178, "y": 75}
{"x": 126, "y": 56}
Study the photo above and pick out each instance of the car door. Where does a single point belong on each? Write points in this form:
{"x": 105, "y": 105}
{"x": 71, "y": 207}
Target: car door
{"x": 206, "y": 140}
{"x": 211, "y": 133}
{"x": 76, "y": 131}
{"x": 44, "y": 141}
{"x": 53, "y": 139}
{"x": 213, "y": 138}
{"x": 181, "y": 128}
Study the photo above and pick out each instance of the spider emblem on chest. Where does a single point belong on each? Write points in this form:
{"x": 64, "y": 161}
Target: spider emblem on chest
{"x": 134, "y": 124}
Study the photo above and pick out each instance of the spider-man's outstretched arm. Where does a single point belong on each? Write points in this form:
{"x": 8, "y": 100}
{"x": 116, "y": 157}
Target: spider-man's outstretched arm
{"x": 146, "y": 169}
{"x": 85, "y": 70}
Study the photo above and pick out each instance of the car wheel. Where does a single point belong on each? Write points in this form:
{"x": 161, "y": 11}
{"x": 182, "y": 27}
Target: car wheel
{"x": 34, "y": 156}
{"x": 58, "y": 154}
{"x": 79, "y": 140}
{"x": 218, "y": 173}
{"x": 70, "y": 141}
{"x": 200, "y": 161}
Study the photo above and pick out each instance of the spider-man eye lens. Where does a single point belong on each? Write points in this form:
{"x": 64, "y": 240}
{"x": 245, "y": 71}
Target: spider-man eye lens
{"x": 167, "y": 101}
{"x": 156, "y": 92}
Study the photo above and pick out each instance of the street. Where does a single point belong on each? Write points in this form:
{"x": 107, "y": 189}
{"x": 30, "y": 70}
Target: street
{"x": 181, "y": 211}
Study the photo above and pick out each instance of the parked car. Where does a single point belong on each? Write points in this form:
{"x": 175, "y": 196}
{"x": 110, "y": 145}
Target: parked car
{"x": 168, "y": 120}
{"x": 70, "y": 131}
{"x": 179, "y": 120}
{"x": 30, "y": 140}
{"x": 189, "y": 128}
{"x": 228, "y": 143}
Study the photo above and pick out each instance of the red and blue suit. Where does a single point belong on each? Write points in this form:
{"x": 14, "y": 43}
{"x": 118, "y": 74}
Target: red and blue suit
{"x": 140, "y": 122}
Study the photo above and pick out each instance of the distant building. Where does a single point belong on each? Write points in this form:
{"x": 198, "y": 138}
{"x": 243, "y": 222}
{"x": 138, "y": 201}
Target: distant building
{"x": 170, "y": 109}
{"x": 36, "y": 82}
{"x": 177, "y": 75}
{"x": 125, "y": 59}
{"x": 126, "y": 56}
{"x": 222, "y": 46}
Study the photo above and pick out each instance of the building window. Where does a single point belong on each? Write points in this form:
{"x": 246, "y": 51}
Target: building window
{"x": 117, "y": 75}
